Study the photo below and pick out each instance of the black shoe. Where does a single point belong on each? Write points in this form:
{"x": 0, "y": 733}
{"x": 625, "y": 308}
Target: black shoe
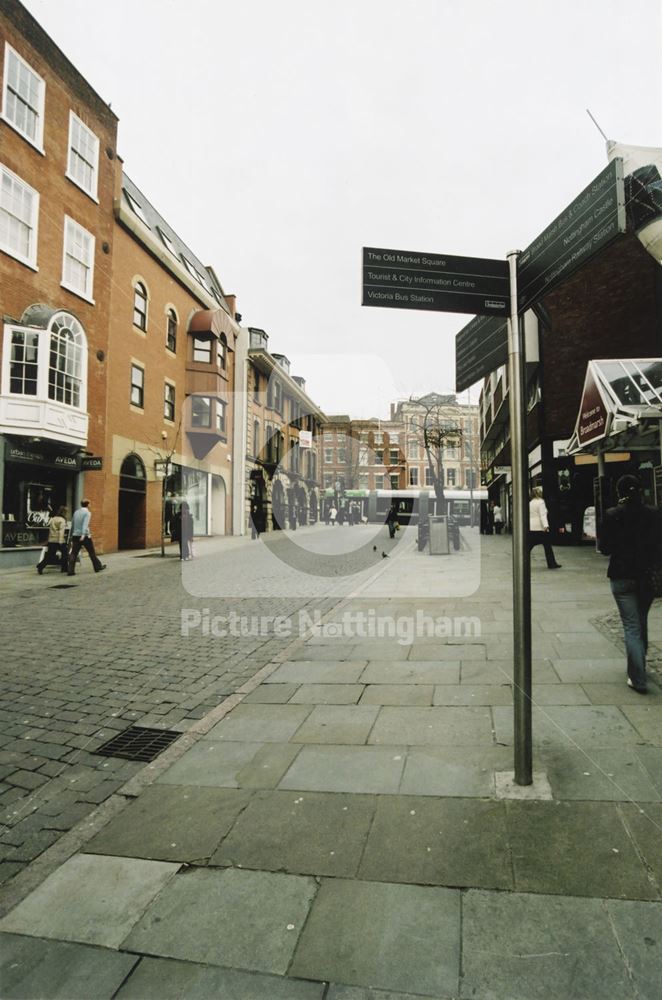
{"x": 103, "y": 566}
{"x": 555, "y": 566}
{"x": 40, "y": 570}
{"x": 639, "y": 690}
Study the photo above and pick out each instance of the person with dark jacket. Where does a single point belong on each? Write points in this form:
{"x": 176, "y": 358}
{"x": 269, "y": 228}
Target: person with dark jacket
{"x": 631, "y": 534}
{"x": 392, "y": 520}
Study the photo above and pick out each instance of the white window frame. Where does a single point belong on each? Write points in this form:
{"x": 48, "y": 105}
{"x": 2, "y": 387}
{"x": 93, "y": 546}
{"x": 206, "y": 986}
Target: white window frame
{"x": 168, "y": 385}
{"x": 38, "y": 141}
{"x": 137, "y": 385}
{"x": 32, "y": 225}
{"x": 413, "y": 475}
{"x": 86, "y": 130}
{"x": 73, "y": 229}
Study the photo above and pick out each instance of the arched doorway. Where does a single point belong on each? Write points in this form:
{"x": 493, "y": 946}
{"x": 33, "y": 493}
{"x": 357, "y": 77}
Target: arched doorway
{"x": 218, "y": 496}
{"x": 131, "y": 514}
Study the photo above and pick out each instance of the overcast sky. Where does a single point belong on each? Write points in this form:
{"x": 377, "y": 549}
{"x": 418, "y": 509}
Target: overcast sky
{"x": 279, "y": 138}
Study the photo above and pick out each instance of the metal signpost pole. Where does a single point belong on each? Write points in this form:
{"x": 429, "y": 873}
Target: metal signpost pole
{"x": 521, "y": 555}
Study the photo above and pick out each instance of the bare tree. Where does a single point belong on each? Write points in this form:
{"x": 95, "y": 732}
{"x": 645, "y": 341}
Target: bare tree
{"x": 164, "y": 456}
{"x": 435, "y": 430}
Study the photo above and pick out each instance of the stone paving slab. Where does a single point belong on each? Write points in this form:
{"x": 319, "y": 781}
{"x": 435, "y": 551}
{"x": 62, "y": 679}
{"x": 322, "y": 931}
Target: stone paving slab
{"x": 460, "y": 726}
{"x": 240, "y": 919}
{"x": 271, "y": 694}
{"x": 620, "y": 693}
{"x": 215, "y": 763}
{"x": 644, "y": 822}
{"x": 263, "y": 723}
{"x": 473, "y": 694}
{"x": 360, "y": 993}
{"x": 607, "y": 670}
{"x": 369, "y": 769}
{"x": 647, "y": 720}
{"x": 378, "y": 935}
{"x": 171, "y": 823}
{"x": 56, "y": 970}
{"x": 169, "y": 979}
{"x": 502, "y": 672}
{"x": 318, "y": 672}
{"x": 559, "y": 694}
{"x": 338, "y": 652}
{"x": 638, "y": 930}
{"x": 397, "y": 694}
{"x": 410, "y": 672}
{"x": 518, "y": 946}
{"x": 552, "y": 852}
{"x": 337, "y": 724}
{"x": 651, "y": 758}
{"x": 453, "y": 842}
{"x": 442, "y": 653}
{"x": 615, "y": 774}
{"x": 453, "y": 771}
{"x": 581, "y": 725}
{"x": 301, "y": 833}
{"x": 325, "y": 694}
{"x": 90, "y": 899}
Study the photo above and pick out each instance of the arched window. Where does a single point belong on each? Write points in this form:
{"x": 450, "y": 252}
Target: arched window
{"x": 140, "y": 305}
{"x": 132, "y": 475}
{"x": 65, "y": 365}
{"x": 171, "y": 330}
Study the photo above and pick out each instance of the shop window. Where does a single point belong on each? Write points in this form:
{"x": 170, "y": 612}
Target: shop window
{"x": 83, "y": 165}
{"x": 169, "y": 402}
{"x": 140, "y": 306}
{"x": 138, "y": 386}
{"x": 200, "y": 411}
{"x": 65, "y": 374}
{"x": 78, "y": 262}
{"x": 23, "y": 98}
{"x": 171, "y": 330}
{"x": 202, "y": 350}
{"x": 19, "y": 211}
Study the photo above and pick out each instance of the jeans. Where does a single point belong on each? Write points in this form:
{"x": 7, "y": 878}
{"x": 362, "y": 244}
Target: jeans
{"x": 633, "y": 604}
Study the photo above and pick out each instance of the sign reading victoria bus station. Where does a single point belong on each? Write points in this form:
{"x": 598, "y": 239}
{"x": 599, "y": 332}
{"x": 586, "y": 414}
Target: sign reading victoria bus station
{"x": 399, "y": 279}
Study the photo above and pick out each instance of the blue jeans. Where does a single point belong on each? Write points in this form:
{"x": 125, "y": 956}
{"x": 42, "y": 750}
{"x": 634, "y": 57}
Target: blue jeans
{"x": 633, "y": 605}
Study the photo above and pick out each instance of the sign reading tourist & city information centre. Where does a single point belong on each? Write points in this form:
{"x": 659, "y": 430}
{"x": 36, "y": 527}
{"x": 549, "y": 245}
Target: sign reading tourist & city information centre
{"x": 398, "y": 279}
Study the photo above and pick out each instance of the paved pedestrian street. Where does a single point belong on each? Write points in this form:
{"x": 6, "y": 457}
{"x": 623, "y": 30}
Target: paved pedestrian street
{"x": 336, "y": 820}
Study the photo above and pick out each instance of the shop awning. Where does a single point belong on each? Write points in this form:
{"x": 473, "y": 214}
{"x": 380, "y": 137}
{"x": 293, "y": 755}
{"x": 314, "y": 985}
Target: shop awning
{"x": 621, "y": 401}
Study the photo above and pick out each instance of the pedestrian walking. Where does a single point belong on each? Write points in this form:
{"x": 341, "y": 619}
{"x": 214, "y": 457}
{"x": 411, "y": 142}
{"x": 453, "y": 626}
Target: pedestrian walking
{"x": 392, "y": 520}
{"x": 333, "y": 513}
{"x": 186, "y": 533}
{"x": 497, "y": 515}
{"x": 55, "y": 553}
{"x": 631, "y": 535}
{"x": 539, "y": 527}
{"x": 80, "y": 537}
{"x": 255, "y": 517}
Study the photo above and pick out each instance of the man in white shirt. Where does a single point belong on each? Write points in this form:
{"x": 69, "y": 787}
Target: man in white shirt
{"x": 80, "y": 537}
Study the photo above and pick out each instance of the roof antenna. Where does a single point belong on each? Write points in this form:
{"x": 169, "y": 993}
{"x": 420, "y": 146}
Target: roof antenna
{"x": 596, "y": 125}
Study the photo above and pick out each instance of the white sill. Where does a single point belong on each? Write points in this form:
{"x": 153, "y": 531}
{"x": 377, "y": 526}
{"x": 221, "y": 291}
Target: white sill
{"x": 21, "y": 260}
{"x": 80, "y": 187}
{"x": 31, "y": 142}
{"x": 139, "y": 329}
{"x": 77, "y": 293}
{"x": 137, "y": 409}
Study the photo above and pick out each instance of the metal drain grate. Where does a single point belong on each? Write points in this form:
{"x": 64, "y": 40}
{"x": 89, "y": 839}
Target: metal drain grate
{"x": 138, "y": 743}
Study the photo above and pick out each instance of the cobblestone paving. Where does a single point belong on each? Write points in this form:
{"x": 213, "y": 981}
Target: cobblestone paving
{"x": 83, "y": 662}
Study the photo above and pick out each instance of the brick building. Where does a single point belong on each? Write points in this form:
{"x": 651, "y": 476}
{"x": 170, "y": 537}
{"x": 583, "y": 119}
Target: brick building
{"x": 171, "y": 376}
{"x": 283, "y": 442}
{"x": 59, "y": 169}
{"x": 610, "y": 308}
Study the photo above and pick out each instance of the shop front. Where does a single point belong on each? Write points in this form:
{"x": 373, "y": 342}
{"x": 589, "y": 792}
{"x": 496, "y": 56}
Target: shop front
{"x": 37, "y": 480}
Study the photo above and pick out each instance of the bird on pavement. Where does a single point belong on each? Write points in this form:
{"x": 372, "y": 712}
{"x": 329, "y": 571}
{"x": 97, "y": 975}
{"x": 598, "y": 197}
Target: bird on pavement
{"x": 384, "y": 555}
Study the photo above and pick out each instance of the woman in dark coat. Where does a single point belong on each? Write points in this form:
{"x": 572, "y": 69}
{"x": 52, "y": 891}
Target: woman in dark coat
{"x": 631, "y": 534}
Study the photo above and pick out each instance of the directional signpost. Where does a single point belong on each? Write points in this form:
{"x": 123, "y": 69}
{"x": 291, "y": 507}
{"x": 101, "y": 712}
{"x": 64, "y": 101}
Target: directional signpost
{"x": 498, "y": 293}
{"x": 398, "y": 279}
{"x": 594, "y": 219}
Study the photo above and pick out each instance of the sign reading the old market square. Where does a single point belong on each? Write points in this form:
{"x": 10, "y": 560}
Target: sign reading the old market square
{"x": 589, "y": 223}
{"x": 440, "y": 282}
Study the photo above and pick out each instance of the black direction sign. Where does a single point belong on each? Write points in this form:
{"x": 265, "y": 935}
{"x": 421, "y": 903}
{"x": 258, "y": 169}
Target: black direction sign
{"x": 593, "y": 220}
{"x": 480, "y": 347}
{"x": 398, "y": 279}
